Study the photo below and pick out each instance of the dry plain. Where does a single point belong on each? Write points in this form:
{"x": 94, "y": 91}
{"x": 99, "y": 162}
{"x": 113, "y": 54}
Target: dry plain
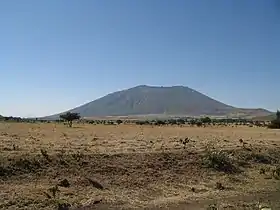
{"x": 51, "y": 166}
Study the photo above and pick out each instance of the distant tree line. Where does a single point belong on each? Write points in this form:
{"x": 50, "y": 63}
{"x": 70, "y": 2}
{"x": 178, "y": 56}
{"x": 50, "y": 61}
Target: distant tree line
{"x": 204, "y": 121}
{"x": 70, "y": 117}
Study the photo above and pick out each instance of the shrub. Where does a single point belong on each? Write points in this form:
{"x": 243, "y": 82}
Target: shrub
{"x": 181, "y": 121}
{"x": 206, "y": 120}
{"x": 109, "y": 122}
{"x": 159, "y": 122}
{"x": 275, "y": 124}
{"x": 172, "y": 122}
{"x": 220, "y": 161}
{"x": 198, "y": 123}
{"x": 192, "y": 122}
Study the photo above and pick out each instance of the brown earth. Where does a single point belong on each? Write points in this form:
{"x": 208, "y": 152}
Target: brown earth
{"x": 130, "y": 166}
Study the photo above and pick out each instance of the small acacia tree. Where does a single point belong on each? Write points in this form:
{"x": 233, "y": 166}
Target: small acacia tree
{"x": 70, "y": 117}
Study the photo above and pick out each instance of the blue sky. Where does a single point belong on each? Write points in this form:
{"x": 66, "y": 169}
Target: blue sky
{"x": 56, "y": 55}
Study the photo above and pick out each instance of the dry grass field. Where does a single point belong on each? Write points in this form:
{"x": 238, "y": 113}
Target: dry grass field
{"x": 51, "y": 166}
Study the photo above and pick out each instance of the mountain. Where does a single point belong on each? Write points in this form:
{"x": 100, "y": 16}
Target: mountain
{"x": 148, "y": 100}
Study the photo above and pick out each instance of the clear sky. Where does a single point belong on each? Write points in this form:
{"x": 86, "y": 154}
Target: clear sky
{"x": 58, "y": 54}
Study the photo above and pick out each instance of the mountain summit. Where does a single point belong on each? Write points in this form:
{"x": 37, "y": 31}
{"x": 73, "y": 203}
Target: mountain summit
{"x": 146, "y": 100}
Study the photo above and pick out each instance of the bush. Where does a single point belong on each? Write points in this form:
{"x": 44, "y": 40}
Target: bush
{"x": 198, "y": 123}
{"x": 192, "y": 122}
{"x": 181, "y": 121}
{"x": 220, "y": 161}
{"x": 160, "y": 122}
{"x": 172, "y": 122}
{"x": 206, "y": 120}
{"x": 275, "y": 124}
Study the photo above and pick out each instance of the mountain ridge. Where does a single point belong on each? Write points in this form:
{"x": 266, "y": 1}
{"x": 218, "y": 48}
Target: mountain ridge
{"x": 154, "y": 100}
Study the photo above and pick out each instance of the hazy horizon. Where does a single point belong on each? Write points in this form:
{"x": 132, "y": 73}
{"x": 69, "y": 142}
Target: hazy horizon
{"x": 57, "y": 55}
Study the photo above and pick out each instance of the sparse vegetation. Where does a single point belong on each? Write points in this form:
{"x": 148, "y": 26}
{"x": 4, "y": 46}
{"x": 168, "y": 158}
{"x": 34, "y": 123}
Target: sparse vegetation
{"x": 184, "y": 121}
{"x": 131, "y": 165}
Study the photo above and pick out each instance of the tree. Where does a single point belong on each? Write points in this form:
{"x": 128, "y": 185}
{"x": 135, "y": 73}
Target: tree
{"x": 206, "y": 120}
{"x": 69, "y": 117}
{"x": 278, "y": 115}
{"x": 275, "y": 123}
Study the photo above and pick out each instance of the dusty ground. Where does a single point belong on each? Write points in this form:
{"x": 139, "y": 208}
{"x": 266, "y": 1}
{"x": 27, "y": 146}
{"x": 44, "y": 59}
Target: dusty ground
{"x": 137, "y": 166}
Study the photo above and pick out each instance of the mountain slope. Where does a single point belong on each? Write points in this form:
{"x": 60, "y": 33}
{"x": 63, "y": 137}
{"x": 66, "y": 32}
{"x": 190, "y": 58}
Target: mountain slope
{"x": 145, "y": 100}
{"x": 266, "y": 117}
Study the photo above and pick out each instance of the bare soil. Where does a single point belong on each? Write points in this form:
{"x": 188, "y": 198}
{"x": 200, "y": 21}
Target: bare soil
{"x": 131, "y": 166}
